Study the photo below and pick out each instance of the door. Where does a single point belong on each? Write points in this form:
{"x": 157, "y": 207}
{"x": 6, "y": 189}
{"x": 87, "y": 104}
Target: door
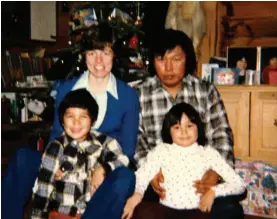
{"x": 237, "y": 107}
{"x": 263, "y": 138}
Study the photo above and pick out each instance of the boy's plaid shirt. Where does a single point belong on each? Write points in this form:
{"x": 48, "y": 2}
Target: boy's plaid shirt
{"x": 155, "y": 102}
{"x": 71, "y": 194}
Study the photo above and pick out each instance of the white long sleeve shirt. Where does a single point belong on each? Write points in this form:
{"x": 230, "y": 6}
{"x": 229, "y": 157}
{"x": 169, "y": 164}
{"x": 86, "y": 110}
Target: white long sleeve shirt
{"x": 181, "y": 166}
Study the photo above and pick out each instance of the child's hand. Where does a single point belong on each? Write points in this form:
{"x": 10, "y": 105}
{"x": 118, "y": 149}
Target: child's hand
{"x": 97, "y": 179}
{"x": 131, "y": 203}
{"x": 207, "y": 200}
{"x": 59, "y": 174}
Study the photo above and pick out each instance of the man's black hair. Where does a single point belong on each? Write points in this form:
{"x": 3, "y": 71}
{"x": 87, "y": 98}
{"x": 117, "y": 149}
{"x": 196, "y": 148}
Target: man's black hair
{"x": 80, "y": 98}
{"x": 174, "y": 116}
{"x": 167, "y": 41}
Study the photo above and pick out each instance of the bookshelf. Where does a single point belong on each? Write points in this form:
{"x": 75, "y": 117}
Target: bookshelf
{"x": 15, "y": 133}
{"x": 24, "y": 89}
{"x": 16, "y": 39}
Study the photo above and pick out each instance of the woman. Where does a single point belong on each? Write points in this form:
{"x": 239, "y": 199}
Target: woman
{"x": 118, "y": 117}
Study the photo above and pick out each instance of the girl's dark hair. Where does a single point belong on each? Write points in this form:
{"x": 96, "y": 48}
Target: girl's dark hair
{"x": 167, "y": 41}
{"x": 174, "y": 116}
{"x": 80, "y": 98}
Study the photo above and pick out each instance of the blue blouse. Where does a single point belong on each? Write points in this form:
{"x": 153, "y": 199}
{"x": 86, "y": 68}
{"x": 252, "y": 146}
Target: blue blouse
{"x": 120, "y": 121}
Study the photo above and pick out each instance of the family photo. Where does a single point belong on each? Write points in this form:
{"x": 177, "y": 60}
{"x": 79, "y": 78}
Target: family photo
{"x": 130, "y": 119}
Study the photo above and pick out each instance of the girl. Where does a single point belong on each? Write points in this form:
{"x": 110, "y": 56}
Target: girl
{"x": 183, "y": 160}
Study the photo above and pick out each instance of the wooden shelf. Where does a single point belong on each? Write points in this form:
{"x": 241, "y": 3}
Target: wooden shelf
{"x": 23, "y": 89}
{"x": 25, "y": 124}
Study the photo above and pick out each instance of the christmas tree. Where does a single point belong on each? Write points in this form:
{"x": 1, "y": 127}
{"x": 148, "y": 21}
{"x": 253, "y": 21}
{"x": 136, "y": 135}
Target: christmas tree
{"x": 125, "y": 18}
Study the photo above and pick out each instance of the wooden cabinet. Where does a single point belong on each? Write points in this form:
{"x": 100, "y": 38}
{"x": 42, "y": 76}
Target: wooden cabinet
{"x": 263, "y": 124}
{"x": 252, "y": 114}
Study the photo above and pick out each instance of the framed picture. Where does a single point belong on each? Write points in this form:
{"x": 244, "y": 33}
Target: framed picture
{"x": 225, "y": 76}
{"x": 243, "y": 58}
{"x": 207, "y": 70}
{"x": 268, "y": 65}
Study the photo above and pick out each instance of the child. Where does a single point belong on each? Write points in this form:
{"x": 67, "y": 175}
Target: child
{"x": 183, "y": 160}
{"x": 72, "y": 160}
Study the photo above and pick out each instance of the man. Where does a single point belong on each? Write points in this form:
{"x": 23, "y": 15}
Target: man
{"x": 174, "y": 64}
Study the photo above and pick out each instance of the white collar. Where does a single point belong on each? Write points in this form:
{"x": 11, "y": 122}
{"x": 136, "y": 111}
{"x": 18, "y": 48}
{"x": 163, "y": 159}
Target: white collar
{"x": 111, "y": 86}
{"x": 189, "y": 149}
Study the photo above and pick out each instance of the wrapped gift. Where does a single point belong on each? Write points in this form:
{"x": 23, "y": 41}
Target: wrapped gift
{"x": 261, "y": 181}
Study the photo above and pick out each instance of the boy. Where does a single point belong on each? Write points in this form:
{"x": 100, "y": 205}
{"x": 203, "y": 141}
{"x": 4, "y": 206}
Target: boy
{"x": 76, "y": 163}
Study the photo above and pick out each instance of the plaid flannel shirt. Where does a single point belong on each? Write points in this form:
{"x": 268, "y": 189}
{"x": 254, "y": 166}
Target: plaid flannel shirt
{"x": 155, "y": 102}
{"x": 71, "y": 194}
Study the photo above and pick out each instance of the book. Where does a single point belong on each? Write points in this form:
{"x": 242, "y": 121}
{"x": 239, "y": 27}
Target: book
{"x": 5, "y": 71}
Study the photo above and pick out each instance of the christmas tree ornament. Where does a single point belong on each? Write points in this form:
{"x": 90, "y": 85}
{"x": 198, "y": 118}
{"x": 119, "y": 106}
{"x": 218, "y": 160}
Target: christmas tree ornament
{"x": 138, "y": 62}
{"x": 83, "y": 18}
{"x": 121, "y": 16}
{"x": 138, "y": 21}
{"x": 134, "y": 42}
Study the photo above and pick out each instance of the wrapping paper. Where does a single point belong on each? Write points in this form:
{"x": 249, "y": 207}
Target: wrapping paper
{"x": 261, "y": 182}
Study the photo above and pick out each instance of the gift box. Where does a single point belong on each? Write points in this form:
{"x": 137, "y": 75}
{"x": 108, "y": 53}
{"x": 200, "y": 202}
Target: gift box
{"x": 261, "y": 181}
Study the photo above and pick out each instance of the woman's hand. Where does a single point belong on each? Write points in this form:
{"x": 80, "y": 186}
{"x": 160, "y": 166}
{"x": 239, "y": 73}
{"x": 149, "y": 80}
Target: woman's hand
{"x": 156, "y": 184}
{"x": 97, "y": 179}
{"x": 206, "y": 201}
{"x": 131, "y": 203}
{"x": 209, "y": 179}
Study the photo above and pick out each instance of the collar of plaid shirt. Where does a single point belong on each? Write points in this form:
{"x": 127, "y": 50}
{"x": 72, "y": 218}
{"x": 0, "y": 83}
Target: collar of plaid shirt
{"x": 157, "y": 85}
{"x": 89, "y": 145}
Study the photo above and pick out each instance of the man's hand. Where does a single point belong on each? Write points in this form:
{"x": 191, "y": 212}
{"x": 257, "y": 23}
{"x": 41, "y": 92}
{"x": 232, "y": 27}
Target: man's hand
{"x": 97, "y": 179}
{"x": 59, "y": 174}
{"x": 206, "y": 201}
{"x": 131, "y": 203}
{"x": 209, "y": 179}
{"x": 156, "y": 184}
